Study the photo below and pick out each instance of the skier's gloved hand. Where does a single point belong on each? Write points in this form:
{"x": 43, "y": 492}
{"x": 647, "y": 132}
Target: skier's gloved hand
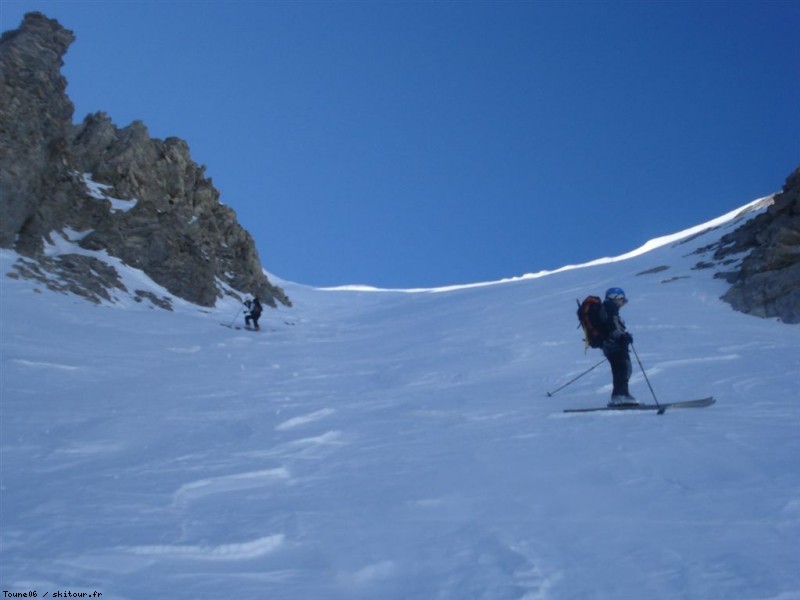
{"x": 627, "y": 338}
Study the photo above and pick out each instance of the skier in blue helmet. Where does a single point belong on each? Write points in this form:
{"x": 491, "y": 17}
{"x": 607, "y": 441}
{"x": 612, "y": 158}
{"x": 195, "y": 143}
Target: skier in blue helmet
{"x": 615, "y": 347}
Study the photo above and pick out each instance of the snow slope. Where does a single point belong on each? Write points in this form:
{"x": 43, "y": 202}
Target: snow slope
{"x": 400, "y": 445}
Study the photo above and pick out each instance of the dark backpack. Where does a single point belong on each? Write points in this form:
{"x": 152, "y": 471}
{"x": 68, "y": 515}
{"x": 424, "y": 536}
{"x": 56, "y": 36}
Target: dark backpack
{"x": 590, "y": 317}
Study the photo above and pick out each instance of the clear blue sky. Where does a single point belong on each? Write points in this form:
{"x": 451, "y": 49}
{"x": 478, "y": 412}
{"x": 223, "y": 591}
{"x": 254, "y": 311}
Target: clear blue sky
{"x": 416, "y": 144}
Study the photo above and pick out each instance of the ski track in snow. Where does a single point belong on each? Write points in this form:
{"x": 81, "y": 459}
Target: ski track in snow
{"x": 229, "y": 483}
{"x": 401, "y": 446}
{"x": 46, "y": 365}
{"x": 309, "y": 418}
{"x": 225, "y": 552}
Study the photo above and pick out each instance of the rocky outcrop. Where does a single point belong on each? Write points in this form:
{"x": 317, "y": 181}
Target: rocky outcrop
{"x": 178, "y": 232}
{"x": 767, "y": 283}
{"x": 141, "y": 200}
{"x": 35, "y": 128}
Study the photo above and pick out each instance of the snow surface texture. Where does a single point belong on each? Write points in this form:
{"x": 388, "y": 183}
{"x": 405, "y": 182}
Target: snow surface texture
{"x": 401, "y": 445}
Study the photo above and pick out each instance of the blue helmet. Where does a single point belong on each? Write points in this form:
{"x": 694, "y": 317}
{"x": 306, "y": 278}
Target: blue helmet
{"x": 616, "y": 294}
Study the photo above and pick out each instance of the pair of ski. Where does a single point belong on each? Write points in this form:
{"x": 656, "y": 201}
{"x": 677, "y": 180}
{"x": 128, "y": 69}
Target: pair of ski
{"x": 660, "y": 408}
{"x": 239, "y": 328}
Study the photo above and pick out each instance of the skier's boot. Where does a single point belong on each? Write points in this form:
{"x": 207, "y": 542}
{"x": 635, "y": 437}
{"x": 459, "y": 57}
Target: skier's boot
{"x": 623, "y": 400}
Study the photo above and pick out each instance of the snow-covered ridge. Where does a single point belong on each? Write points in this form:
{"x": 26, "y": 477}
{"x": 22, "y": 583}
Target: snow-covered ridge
{"x": 646, "y": 247}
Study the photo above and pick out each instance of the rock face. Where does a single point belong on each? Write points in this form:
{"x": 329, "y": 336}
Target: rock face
{"x": 35, "y": 127}
{"x": 141, "y": 200}
{"x": 767, "y": 284}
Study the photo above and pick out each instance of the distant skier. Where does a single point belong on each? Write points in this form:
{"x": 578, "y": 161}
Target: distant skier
{"x": 253, "y": 312}
{"x": 615, "y": 347}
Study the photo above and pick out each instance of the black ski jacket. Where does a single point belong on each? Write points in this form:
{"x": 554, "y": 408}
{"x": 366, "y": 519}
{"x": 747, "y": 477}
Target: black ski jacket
{"x": 615, "y": 327}
{"x": 254, "y": 307}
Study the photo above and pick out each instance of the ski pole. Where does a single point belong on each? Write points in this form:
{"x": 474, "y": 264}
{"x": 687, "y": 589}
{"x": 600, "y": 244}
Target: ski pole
{"x": 550, "y": 394}
{"x": 236, "y": 316}
{"x": 636, "y": 354}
